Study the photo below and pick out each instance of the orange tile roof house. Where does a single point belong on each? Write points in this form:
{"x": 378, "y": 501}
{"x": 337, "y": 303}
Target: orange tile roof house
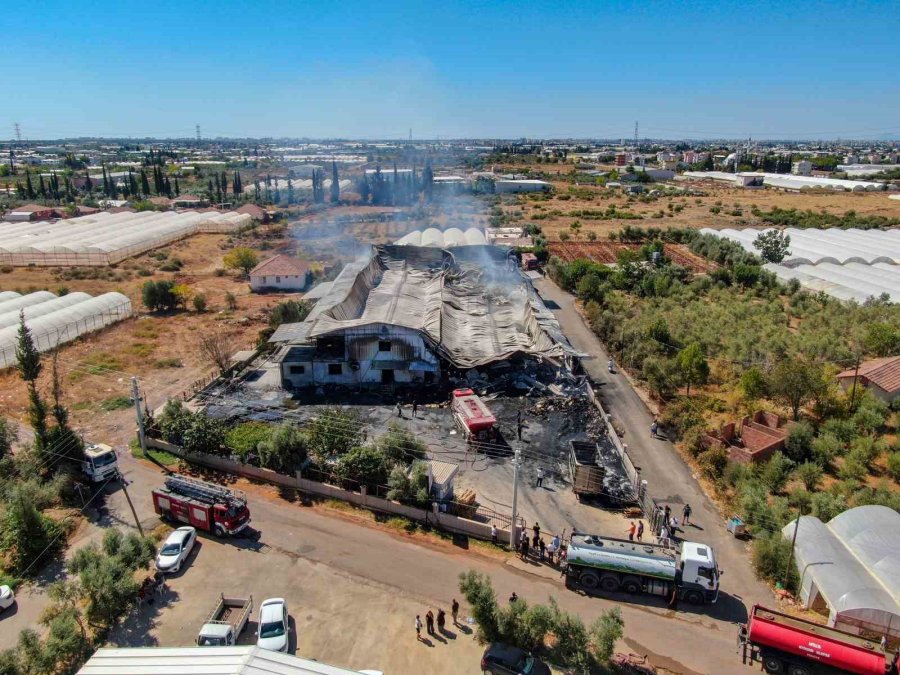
{"x": 255, "y": 212}
{"x": 281, "y": 273}
{"x": 879, "y": 376}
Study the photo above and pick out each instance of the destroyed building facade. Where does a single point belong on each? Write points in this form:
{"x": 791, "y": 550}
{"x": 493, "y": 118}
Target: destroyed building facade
{"x": 404, "y": 314}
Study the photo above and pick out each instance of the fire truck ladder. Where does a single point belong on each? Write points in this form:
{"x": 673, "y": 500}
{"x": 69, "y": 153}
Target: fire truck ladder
{"x": 203, "y": 491}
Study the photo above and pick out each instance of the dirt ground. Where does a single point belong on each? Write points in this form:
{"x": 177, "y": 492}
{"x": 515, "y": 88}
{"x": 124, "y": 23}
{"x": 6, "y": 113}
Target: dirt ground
{"x": 162, "y": 350}
{"x": 555, "y": 214}
{"x": 607, "y": 252}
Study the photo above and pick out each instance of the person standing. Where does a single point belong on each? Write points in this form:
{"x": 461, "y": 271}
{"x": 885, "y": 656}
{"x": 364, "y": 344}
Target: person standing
{"x": 513, "y": 597}
{"x": 493, "y": 534}
{"x": 524, "y": 548}
{"x": 399, "y": 409}
{"x": 415, "y": 408}
{"x": 640, "y": 531}
{"x": 519, "y": 424}
{"x": 631, "y": 531}
{"x": 540, "y": 477}
{"x": 441, "y": 620}
{"x": 454, "y": 611}
{"x": 686, "y": 515}
{"x": 667, "y": 514}
{"x": 654, "y": 428}
{"x": 429, "y": 622}
{"x": 537, "y": 532}
{"x": 418, "y": 627}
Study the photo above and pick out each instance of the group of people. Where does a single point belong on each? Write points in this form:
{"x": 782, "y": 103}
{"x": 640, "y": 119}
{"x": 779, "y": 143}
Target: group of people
{"x": 440, "y": 620}
{"x": 669, "y": 524}
{"x": 554, "y": 553}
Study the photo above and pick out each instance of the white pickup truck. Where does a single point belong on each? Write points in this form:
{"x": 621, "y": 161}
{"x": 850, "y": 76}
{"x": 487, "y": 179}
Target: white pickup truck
{"x": 100, "y": 462}
{"x": 225, "y": 622}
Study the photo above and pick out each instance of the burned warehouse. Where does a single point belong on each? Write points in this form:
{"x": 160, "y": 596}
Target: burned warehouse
{"x": 408, "y": 314}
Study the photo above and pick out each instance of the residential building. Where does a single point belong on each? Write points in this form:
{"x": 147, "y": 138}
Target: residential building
{"x": 521, "y": 185}
{"x": 880, "y": 376}
{"x": 189, "y": 202}
{"x": 258, "y": 213}
{"x": 281, "y": 273}
{"x": 802, "y": 167}
{"x": 31, "y": 212}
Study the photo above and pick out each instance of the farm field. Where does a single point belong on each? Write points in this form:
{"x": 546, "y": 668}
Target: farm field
{"x": 607, "y": 252}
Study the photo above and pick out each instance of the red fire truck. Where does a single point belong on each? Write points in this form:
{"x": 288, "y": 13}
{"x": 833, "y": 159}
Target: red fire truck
{"x": 793, "y": 646}
{"x": 472, "y": 415}
{"x": 206, "y": 506}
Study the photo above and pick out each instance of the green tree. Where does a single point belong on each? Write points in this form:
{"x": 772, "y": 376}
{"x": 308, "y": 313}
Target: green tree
{"x": 810, "y": 474}
{"x": 364, "y": 464}
{"x": 9, "y": 434}
{"x": 659, "y": 376}
{"x": 479, "y": 593}
{"x": 27, "y": 536}
{"x": 692, "y": 366}
{"x": 205, "y": 434}
{"x": 409, "y": 485}
{"x": 285, "y": 449}
{"x": 605, "y": 632}
{"x": 332, "y": 433}
{"x": 882, "y": 339}
{"x": 28, "y": 363}
{"x": 241, "y": 258}
{"x": 773, "y": 245}
{"x": 825, "y": 447}
{"x": 770, "y": 559}
{"x": 199, "y": 302}
{"x": 174, "y": 421}
{"x": 400, "y": 446}
{"x": 335, "y": 184}
{"x": 753, "y": 384}
{"x": 775, "y": 473}
{"x": 289, "y": 311}
{"x": 893, "y": 465}
{"x": 794, "y": 382}
{"x": 159, "y": 295}
{"x": 798, "y": 444}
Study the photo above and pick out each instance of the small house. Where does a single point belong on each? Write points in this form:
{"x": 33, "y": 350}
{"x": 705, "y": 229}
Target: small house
{"x": 281, "y": 273}
{"x": 31, "y": 212}
{"x": 879, "y": 376}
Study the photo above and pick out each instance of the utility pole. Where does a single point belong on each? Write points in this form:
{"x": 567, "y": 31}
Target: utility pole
{"x": 855, "y": 377}
{"x": 136, "y": 396}
{"x": 131, "y": 506}
{"x": 787, "y": 570}
{"x": 513, "y": 525}
{"x": 18, "y": 132}
{"x": 198, "y": 133}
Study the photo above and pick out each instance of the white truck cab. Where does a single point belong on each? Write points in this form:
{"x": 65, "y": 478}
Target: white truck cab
{"x": 699, "y": 569}
{"x": 100, "y": 462}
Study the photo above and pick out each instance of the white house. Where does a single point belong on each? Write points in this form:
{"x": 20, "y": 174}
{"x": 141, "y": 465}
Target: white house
{"x": 282, "y": 273}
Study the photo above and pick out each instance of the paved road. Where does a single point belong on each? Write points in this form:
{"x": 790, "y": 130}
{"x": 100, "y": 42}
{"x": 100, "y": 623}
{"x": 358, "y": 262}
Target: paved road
{"x": 670, "y": 480}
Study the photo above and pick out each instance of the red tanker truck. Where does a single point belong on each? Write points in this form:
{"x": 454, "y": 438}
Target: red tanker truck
{"x": 472, "y": 415}
{"x": 793, "y": 646}
{"x": 206, "y": 506}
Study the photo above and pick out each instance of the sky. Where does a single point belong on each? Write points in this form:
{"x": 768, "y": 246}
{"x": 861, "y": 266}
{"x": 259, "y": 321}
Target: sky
{"x": 376, "y": 69}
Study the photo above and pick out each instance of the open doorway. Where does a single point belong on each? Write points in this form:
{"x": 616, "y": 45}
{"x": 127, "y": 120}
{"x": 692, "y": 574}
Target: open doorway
{"x": 387, "y": 376}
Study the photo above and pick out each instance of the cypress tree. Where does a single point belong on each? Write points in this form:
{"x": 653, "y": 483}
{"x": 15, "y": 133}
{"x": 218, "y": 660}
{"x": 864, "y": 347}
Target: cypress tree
{"x": 428, "y": 180}
{"x": 335, "y": 184}
{"x": 28, "y": 363}
{"x": 177, "y": 187}
{"x": 145, "y": 184}
{"x": 167, "y": 187}
{"x": 42, "y": 189}
{"x": 132, "y": 183}
{"x": 29, "y": 187}
{"x": 88, "y": 183}
{"x": 290, "y": 191}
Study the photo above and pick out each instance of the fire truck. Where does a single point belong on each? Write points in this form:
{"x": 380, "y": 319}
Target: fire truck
{"x": 206, "y": 506}
{"x": 794, "y": 646}
{"x": 473, "y": 416}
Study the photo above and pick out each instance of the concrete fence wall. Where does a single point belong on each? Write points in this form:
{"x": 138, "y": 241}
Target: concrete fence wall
{"x": 435, "y": 517}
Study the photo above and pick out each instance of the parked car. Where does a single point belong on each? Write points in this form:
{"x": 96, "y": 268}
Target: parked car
{"x": 272, "y": 632}
{"x": 502, "y": 659}
{"x": 175, "y": 550}
{"x": 7, "y": 597}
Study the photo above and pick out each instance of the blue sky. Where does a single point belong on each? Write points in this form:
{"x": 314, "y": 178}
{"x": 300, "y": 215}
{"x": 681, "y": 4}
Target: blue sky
{"x": 451, "y": 69}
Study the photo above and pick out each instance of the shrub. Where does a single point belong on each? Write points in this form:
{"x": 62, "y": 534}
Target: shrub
{"x": 333, "y": 433}
{"x": 289, "y": 311}
{"x": 159, "y": 295}
{"x": 285, "y": 449}
{"x": 810, "y": 474}
{"x": 775, "y": 473}
{"x": 199, "y": 302}
{"x": 713, "y": 462}
{"x": 366, "y": 465}
{"x": 409, "y": 486}
{"x": 399, "y": 445}
{"x": 797, "y": 445}
{"x": 825, "y": 447}
{"x": 843, "y": 430}
{"x": 893, "y": 465}
{"x": 204, "y": 434}
{"x": 230, "y": 301}
{"x": 770, "y": 560}
{"x": 245, "y": 437}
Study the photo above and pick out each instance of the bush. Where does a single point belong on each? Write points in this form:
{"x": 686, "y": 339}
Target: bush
{"x": 245, "y": 437}
{"x": 713, "y": 462}
{"x": 285, "y": 449}
{"x": 399, "y": 445}
{"x": 810, "y": 474}
{"x": 824, "y": 448}
{"x": 289, "y": 311}
{"x": 479, "y": 593}
{"x": 333, "y": 433}
{"x": 366, "y": 465}
{"x": 199, "y": 302}
{"x": 409, "y": 486}
{"x": 205, "y": 434}
{"x": 174, "y": 421}
{"x": 775, "y": 473}
{"x": 893, "y": 465}
{"x": 797, "y": 445}
{"x": 27, "y": 536}
{"x": 159, "y": 295}
{"x": 770, "y": 560}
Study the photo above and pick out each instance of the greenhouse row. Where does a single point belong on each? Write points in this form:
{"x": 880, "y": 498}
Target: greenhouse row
{"x": 834, "y": 245}
{"x": 452, "y": 236}
{"x": 853, "y": 281}
{"x": 55, "y": 320}
{"x": 106, "y": 238}
{"x": 299, "y": 185}
{"x": 792, "y": 182}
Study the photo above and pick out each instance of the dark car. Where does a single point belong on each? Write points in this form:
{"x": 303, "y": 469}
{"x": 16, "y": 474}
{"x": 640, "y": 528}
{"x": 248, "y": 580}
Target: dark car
{"x": 501, "y": 659}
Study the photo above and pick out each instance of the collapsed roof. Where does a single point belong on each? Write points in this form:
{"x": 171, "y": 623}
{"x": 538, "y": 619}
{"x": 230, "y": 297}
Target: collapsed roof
{"x": 472, "y": 305}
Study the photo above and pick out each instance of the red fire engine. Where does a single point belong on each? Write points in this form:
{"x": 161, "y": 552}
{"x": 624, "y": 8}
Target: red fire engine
{"x": 206, "y": 506}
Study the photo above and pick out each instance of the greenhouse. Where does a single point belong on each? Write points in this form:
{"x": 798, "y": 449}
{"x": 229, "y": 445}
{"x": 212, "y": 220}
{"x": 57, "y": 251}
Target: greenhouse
{"x": 55, "y": 320}
{"x": 444, "y": 239}
{"x": 850, "y": 568}
{"x": 106, "y": 238}
{"x": 847, "y": 264}
{"x": 794, "y": 183}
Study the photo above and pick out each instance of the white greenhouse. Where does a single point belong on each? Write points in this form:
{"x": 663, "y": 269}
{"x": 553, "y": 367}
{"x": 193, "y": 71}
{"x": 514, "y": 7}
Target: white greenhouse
{"x": 847, "y": 264}
{"x": 448, "y": 238}
{"x": 106, "y": 238}
{"x": 55, "y": 320}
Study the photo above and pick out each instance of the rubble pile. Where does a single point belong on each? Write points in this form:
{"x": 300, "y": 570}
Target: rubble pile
{"x": 522, "y": 377}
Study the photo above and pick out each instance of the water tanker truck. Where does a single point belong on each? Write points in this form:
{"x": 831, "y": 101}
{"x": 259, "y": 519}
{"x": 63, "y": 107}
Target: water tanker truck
{"x": 634, "y": 567}
{"x": 794, "y": 646}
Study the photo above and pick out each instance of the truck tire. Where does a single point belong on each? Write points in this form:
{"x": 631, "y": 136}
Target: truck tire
{"x": 772, "y": 664}
{"x": 798, "y": 669}
{"x": 610, "y": 583}
{"x": 219, "y": 531}
{"x": 632, "y": 585}
{"x": 694, "y": 597}
{"x": 589, "y": 580}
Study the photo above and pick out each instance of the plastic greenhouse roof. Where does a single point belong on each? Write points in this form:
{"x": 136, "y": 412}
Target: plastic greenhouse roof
{"x": 854, "y": 563}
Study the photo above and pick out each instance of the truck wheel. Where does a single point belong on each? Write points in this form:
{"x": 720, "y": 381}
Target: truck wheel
{"x": 772, "y": 664}
{"x": 631, "y": 585}
{"x": 798, "y": 669}
{"x": 219, "y": 531}
{"x": 694, "y": 597}
{"x": 589, "y": 580}
{"x": 609, "y": 583}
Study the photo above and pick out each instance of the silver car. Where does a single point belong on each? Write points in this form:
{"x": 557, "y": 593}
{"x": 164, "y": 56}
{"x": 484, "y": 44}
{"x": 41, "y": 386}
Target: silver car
{"x": 175, "y": 550}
